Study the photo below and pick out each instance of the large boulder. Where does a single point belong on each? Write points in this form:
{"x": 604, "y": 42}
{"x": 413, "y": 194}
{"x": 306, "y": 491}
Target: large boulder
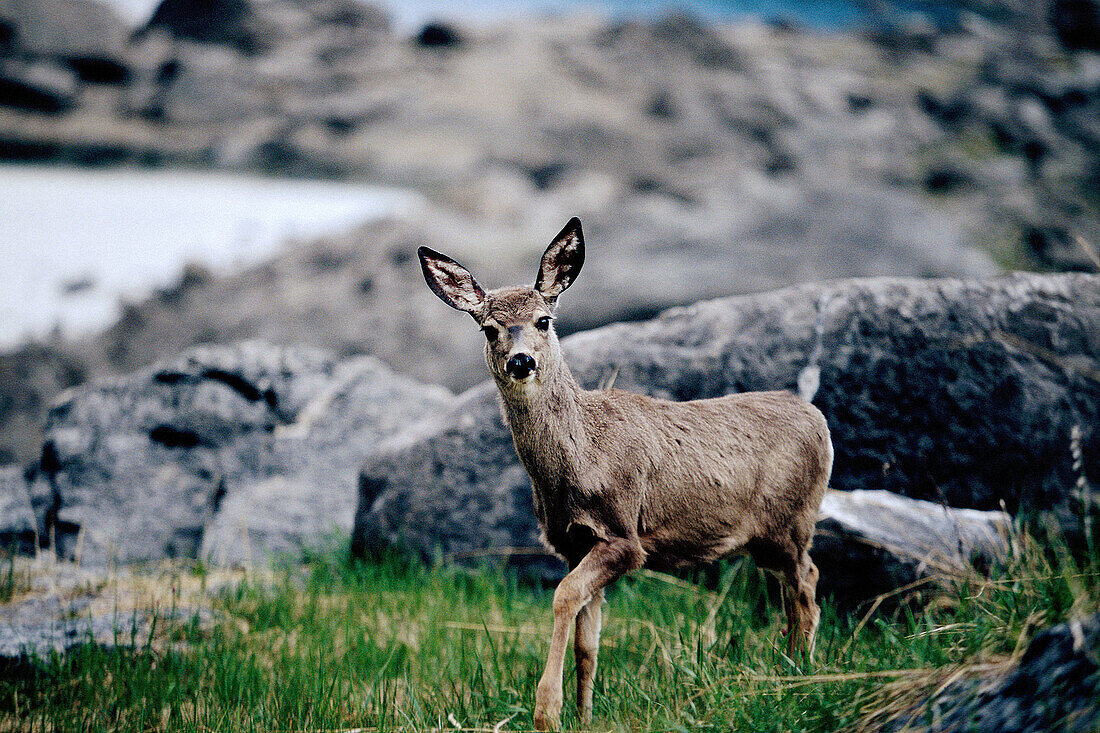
{"x": 233, "y": 452}
{"x": 308, "y": 494}
{"x": 962, "y": 392}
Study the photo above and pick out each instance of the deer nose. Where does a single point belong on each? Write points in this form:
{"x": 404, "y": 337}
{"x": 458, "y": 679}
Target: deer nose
{"x": 520, "y": 366}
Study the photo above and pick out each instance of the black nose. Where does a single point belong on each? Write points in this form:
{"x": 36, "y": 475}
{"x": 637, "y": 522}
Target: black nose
{"x": 520, "y": 366}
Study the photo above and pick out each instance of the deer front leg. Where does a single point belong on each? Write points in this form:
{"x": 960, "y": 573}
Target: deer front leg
{"x": 586, "y": 651}
{"x": 605, "y": 562}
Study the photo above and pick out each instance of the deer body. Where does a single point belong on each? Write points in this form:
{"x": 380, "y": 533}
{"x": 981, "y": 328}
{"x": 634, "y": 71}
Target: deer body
{"x": 623, "y": 481}
{"x": 693, "y": 481}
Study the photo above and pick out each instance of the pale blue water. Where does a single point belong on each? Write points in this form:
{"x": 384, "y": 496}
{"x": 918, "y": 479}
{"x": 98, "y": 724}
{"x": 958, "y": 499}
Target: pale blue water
{"x": 826, "y": 14}
{"x": 823, "y": 14}
{"x": 118, "y": 234}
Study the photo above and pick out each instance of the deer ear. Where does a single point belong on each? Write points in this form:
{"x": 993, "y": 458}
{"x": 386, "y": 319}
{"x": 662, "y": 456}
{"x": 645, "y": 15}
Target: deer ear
{"x": 452, "y": 282}
{"x": 561, "y": 263}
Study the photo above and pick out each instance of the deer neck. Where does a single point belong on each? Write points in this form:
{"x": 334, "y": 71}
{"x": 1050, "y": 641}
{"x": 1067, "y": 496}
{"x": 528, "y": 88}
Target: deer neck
{"x": 545, "y": 417}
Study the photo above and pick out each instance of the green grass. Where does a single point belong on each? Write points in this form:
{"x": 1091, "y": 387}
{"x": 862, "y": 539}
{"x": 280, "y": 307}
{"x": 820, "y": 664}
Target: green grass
{"x": 328, "y": 644}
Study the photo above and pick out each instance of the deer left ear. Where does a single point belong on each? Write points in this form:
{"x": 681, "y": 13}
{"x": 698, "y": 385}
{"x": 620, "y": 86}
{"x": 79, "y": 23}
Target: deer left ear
{"x": 561, "y": 263}
{"x": 452, "y": 282}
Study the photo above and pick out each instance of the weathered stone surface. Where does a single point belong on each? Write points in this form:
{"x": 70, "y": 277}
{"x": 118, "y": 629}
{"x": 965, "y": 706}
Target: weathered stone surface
{"x": 1055, "y": 686}
{"x": 308, "y": 492}
{"x": 872, "y": 542}
{"x": 18, "y": 529}
{"x": 454, "y": 488}
{"x": 38, "y": 627}
{"x": 226, "y": 22}
{"x": 29, "y": 376}
{"x": 198, "y": 84}
{"x": 68, "y": 29}
{"x": 41, "y": 87}
{"x": 182, "y": 457}
{"x": 955, "y": 391}
{"x": 1033, "y": 98}
{"x": 1076, "y": 23}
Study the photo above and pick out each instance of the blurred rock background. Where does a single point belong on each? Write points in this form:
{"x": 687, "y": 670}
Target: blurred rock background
{"x": 705, "y": 158}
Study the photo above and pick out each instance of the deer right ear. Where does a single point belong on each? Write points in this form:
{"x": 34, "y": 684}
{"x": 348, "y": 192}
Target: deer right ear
{"x": 561, "y": 263}
{"x": 452, "y": 282}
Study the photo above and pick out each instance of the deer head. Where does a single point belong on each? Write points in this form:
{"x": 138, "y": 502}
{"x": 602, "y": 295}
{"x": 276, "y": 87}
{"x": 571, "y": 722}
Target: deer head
{"x": 518, "y": 321}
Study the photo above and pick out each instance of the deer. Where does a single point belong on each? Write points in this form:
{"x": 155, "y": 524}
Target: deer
{"x": 623, "y": 481}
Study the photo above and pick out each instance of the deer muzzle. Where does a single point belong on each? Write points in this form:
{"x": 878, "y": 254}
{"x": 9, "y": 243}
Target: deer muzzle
{"x": 520, "y": 366}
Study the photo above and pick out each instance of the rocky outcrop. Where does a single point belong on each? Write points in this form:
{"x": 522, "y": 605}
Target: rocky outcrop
{"x": 955, "y": 392}
{"x": 962, "y": 392}
{"x": 704, "y": 124}
{"x": 307, "y": 495}
{"x": 1024, "y": 121}
{"x": 1055, "y": 686}
{"x": 232, "y": 453}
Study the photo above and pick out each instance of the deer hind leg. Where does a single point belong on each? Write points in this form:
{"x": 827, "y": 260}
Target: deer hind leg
{"x": 605, "y": 562}
{"x": 799, "y": 598}
{"x": 586, "y": 650}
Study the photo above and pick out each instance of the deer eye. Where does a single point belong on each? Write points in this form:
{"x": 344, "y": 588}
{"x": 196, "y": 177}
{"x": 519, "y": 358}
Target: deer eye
{"x": 490, "y": 333}
{"x": 543, "y": 324}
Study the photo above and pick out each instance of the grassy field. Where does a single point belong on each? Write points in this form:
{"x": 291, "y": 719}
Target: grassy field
{"x": 329, "y": 644}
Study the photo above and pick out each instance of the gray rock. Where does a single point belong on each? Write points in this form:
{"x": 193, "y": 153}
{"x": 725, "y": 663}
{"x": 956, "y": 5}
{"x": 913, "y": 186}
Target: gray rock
{"x": 872, "y": 542}
{"x": 39, "y": 86}
{"x": 688, "y": 34}
{"x": 178, "y": 458}
{"x": 961, "y": 392}
{"x": 68, "y": 29}
{"x": 1055, "y": 686}
{"x": 18, "y": 529}
{"x": 654, "y": 257}
{"x": 308, "y": 493}
{"x": 266, "y": 27}
{"x": 452, "y": 487}
{"x": 225, "y": 22}
{"x": 200, "y": 85}
{"x": 35, "y": 628}
{"x": 1076, "y": 23}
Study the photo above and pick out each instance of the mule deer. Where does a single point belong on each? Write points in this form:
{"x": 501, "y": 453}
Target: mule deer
{"x": 623, "y": 481}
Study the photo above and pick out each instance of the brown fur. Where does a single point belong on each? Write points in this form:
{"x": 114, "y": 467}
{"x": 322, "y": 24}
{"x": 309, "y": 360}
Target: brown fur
{"x": 623, "y": 481}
